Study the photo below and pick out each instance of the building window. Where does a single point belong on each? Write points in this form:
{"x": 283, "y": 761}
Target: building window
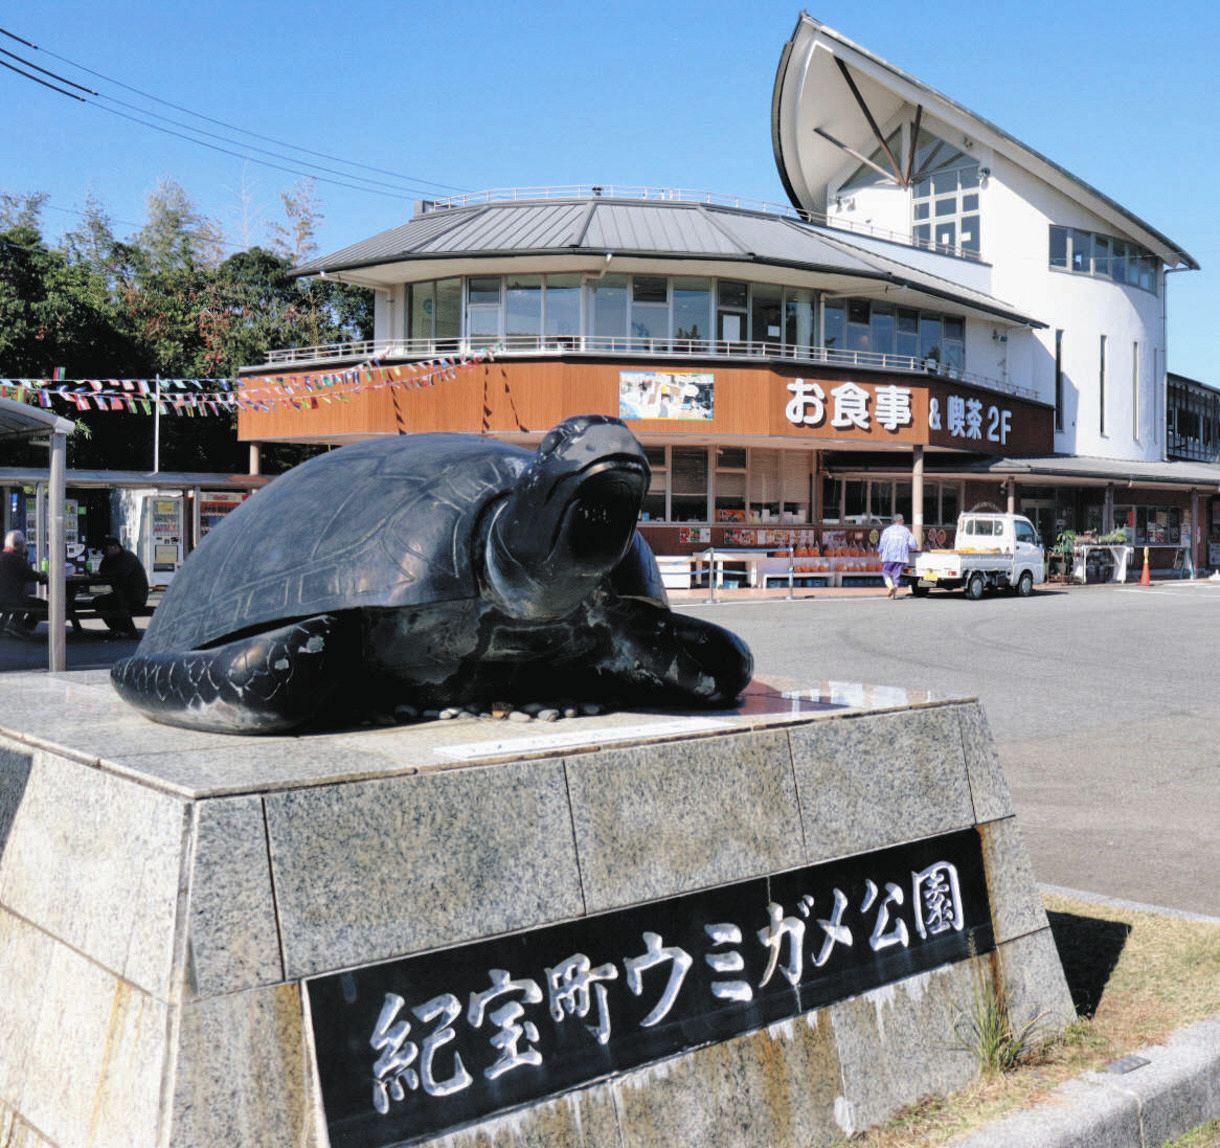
{"x": 765, "y": 310}
{"x": 562, "y": 305}
{"x": 688, "y": 484}
{"x": 650, "y": 308}
{"x": 732, "y": 313}
{"x": 1101, "y": 384}
{"x": 523, "y": 306}
{"x": 1103, "y": 257}
{"x": 434, "y": 310}
{"x": 1058, "y": 380}
{"x": 608, "y": 304}
{"x": 863, "y": 326}
{"x": 945, "y": 199}
{"x": 692, "y": 309}
{"x": 483, "y": 307}
{"x": 800, "y": 330}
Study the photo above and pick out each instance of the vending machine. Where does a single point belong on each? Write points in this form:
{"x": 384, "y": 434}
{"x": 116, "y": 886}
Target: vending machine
{"x": 152, "y": 524}
{"x": 213, "y": 506}
{"x": 37, "y": 551}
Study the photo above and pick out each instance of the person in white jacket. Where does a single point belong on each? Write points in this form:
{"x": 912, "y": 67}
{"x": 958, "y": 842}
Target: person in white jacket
{"x": 895, "y": 546}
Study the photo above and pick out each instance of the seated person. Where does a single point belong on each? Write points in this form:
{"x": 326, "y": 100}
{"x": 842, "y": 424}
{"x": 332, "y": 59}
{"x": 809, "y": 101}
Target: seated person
{"x": 20, "y": 611}
{"x": 128, "y": 588}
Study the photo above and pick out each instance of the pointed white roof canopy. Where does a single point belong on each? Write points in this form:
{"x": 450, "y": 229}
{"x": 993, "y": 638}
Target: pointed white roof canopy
{"x": 834, "y": 99}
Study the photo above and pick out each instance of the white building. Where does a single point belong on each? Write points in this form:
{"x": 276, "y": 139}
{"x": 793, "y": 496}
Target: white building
{"x": 944, "y": 318}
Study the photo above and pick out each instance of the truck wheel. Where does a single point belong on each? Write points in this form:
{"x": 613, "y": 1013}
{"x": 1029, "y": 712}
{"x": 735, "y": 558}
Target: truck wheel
{"x": 1025, "y": 584}
{"x": 919, "y": 591}
{"x": 974, "y": 587}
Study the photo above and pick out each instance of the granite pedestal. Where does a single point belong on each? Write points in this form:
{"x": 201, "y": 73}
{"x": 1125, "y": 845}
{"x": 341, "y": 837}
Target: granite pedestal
{"x": 167, "y": 896}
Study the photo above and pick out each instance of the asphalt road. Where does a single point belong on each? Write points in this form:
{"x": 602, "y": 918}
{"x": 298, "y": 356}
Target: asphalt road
{"x": 1104, "y": 703}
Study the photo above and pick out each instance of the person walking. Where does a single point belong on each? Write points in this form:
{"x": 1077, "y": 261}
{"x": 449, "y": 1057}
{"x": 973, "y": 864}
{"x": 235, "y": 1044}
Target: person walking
{"x": 895, "y": 546}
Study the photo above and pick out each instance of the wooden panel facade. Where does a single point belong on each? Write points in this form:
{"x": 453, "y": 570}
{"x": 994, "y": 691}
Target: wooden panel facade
{"x": 803, "y": 404}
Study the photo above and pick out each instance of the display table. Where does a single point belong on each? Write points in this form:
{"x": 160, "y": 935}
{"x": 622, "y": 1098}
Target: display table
{"x": 1119, "y": 556}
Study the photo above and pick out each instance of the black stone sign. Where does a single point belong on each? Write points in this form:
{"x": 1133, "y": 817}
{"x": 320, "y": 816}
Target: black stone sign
{"x": 417, "y": 1046}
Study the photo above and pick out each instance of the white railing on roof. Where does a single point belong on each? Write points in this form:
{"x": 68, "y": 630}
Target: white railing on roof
{"x": 634, "y": 192}
{"x": 533, "y": 346}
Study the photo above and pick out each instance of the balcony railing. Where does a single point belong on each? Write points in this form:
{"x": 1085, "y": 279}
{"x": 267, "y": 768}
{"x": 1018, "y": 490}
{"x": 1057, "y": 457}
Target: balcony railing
{"x": 685, "y": 195}
{"x": 536, "y": 346}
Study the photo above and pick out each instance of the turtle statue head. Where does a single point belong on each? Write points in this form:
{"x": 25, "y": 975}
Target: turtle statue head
{"x": 428, "y": 571}
{"x": 569, "y": 519}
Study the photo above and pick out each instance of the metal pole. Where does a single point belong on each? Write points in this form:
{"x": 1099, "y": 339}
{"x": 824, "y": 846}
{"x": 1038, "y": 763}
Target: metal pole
{"x": 157, "y": 425}
{"x": 57, "y": 658}
{"x": 790, "y": 568}
{"x": 711, "y": 575}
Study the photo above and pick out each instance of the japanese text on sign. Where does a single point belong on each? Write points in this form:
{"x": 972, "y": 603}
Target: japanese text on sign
{"x": 453, "y": 1036}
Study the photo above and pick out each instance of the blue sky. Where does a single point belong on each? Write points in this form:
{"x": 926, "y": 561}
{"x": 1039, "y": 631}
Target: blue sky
{"x": 677, "y": 94}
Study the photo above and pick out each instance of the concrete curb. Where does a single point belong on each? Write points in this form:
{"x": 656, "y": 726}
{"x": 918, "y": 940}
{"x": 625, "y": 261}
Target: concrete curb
{"x": 1176, "y": 1091}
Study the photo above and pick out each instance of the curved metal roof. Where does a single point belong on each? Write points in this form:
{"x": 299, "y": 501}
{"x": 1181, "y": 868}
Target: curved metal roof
{"x": 647, "y": 229}
{"x": 824, "y": 81}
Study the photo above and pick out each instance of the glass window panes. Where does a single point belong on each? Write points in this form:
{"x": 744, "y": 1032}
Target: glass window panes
{"x": 421, "y": 307}
{"x": 731, "y": 294}
{"x": 929, "y": 337}
{"x": 692, "y": 304}
{"x": 765, "y": 313}
{"x": 650, "y": 307}
{"x": 608, "y": 302}
{"x": 562, "y": 304}
{"x": 799, "y": 314}
{"x": 835, "y": 331}
{"x": 649, "y": 289}
{"x": 945, "y": 190}
{"x": 908, "y": 334}
{"x": 731, "y": 458}
{"x": 448, "y": 308}
{"x": 523, "y": 305}
{"x": 881, "y": 329}
{"x": 688, "y": 484}
{"x": 483, "y": 290}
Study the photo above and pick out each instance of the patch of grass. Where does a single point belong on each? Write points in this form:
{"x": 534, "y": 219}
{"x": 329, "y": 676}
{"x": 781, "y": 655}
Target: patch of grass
{"x": 1205, "y": 1136}
{"x": 987, "y": 1031}
{"x": 1134, "y": 977}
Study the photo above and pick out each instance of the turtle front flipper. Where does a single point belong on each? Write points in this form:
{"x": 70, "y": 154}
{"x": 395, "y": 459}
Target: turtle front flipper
{"x": 658, "y": 657}
{"x": 267, "y": 682}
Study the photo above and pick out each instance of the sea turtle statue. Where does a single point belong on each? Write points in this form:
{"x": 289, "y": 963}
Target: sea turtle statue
{"x": 428, "y": 571}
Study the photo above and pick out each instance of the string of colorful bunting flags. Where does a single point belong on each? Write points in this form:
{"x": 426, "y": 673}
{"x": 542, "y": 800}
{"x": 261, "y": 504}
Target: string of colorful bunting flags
{"x": 202, "y": 396}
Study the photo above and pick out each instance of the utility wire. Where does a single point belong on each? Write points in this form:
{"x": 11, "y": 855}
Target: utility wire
{"x": 224, "y": 124}
{"x": 53, "y": 75}
{"x": 251, "y": 159}
{"x": 198, "y": 131}
{"x": 70, "y": 95}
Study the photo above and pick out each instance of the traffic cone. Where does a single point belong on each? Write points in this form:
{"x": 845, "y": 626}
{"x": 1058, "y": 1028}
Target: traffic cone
{"x": 1146, "y": 576}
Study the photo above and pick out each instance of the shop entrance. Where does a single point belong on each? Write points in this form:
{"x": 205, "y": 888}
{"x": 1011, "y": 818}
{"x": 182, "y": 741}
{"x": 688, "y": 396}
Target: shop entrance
{"x": 1041, "y": 512}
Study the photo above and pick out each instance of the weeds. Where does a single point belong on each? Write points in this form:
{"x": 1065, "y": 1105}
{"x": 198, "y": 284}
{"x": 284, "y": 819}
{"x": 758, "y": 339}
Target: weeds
{"x": 987, "y": 1031}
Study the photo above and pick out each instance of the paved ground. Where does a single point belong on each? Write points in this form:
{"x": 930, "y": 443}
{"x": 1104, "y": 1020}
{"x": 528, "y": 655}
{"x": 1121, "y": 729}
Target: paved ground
{"x": 1103, "y": 701}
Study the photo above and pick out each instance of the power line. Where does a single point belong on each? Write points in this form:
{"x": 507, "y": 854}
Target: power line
{"x": 70, "y": 95}
{"x": 232, "y": 127}
{"x": 53, "y": 75}
{"x": 196, "y": 131}
{"x": 249, "y": 158}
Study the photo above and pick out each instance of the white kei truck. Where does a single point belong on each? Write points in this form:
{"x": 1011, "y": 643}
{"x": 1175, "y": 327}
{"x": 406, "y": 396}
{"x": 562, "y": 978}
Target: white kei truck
{"x": 991, "y": 552}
